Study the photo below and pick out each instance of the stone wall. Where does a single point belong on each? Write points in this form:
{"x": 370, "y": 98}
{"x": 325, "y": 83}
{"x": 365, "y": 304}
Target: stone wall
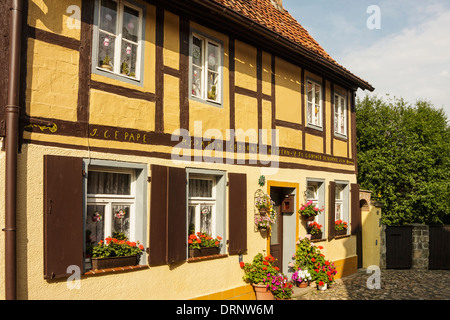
{"x": 420, "y": 246}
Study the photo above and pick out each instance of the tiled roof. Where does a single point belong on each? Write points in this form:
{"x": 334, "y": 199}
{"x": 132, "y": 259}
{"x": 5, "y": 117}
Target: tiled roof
{"x": 281, "y": 22}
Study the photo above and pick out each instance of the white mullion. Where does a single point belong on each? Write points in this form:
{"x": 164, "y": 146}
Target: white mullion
{"x": 205, "y": 69}
{"x": 118, "y": 45}
{"x": 107, "y": 220}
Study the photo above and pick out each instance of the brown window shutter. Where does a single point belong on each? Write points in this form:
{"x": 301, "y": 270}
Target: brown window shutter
{"x": 355, "y": 209}
{"x": 331, "y": 210}
{"x": 176, "y": 208}
{"x": 158, "y": 216}
{"x": 63, "y": 215}
{"x": 237, "y": 212}
{"x": 167, "y": 242}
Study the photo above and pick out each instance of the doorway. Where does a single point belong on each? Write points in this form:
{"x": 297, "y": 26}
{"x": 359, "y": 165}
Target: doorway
{"x": 284, "y": 231}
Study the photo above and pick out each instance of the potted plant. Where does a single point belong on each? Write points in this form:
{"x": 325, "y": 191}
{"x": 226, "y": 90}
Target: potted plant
{"x": 202, "y": 244}
{"x": 315, "y": 230}
{"x": 259, "y": 274}
{"x": 308, "y": 211}
{"x": 340, "y": 227}
{"x": 301, "y": 278}
{"x": 124, "y": 68}
{"x": 264, "y": 204}
{"x": 280, "y": 287}
{"x": 113, "y": 253}
{"x": 106, "y": 63}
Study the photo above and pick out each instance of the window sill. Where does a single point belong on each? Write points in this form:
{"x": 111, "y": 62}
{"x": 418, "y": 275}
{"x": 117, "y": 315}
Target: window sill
{"x": 204, "y": 258}
{"x": 343, "y": 236}
{"x": 116, "y": 270}
{"x": 340, "y": 136}
{"x": 318, "y": 240}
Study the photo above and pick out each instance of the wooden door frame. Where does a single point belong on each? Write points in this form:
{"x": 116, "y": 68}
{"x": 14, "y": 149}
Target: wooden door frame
{"x": 282, "y": 184}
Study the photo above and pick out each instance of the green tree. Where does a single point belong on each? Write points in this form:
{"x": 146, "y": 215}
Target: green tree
{"x": 403, "y": 158}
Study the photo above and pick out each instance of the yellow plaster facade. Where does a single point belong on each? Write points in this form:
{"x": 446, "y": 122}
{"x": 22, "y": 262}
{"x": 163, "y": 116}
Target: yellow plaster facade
{"x": 122, "y": 128}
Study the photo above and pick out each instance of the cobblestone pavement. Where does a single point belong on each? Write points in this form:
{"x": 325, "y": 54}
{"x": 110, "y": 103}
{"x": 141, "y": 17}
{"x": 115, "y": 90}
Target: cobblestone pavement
{"x": 395, "y": 285}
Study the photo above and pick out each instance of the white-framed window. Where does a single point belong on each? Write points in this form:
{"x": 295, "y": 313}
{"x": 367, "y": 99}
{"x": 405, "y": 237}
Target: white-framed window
{"x": 110, "y": 203}
{"x": 339, "y": 202}
{"x": 315, "y": 191}
{"x": 202, "y": 205}
{"x": 314, "y": 104}
{"x": 118, "y": 39}
{"x": 115, "y": 202}
{"x": 312, "y": 194}
{"x": 206, "y": 68}
{"x": 340, "y": 114}
{"x": 342, "y": 205}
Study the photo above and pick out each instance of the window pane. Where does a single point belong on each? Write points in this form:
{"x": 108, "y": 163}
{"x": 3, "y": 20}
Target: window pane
{"x": 109, "y": 183}
{"x": 309, "y": 112}
{"x": 310, "y": 92}
{"x": 120, "y": 220}
{"x": 191, "y": 219}
{"x": 128, "y": 59}
{"x": 205, "y": 219}
{"x": 130, "y": 26}
{"x": 213, "y": 57}
{"x": 317, "y": 93}
{"x": 108, "y": 16}
{"x": 106, "y": 51}
{"x": 197, "y": 82}
{"x": 338, "y": 211}
{"x": 197, "y": 51}
{"x": 200, "y": 188}
{"x": 213, "y": 79}
{"x": 94, "y": 225}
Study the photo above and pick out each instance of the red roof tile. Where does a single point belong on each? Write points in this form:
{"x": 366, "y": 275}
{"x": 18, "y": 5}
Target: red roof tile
{"x": 281, "y": 22}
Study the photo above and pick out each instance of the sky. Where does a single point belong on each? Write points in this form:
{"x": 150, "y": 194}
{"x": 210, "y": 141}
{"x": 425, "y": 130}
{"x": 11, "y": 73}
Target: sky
{"x": 406, "y": 55}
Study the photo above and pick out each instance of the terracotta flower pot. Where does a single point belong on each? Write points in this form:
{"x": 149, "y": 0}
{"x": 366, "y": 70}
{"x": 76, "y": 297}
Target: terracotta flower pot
{"x": 262, "y": 292}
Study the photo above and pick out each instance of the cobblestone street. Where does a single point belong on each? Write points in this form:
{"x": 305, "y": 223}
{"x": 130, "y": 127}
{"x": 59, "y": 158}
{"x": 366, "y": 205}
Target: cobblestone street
{"x": 395, "y": 285}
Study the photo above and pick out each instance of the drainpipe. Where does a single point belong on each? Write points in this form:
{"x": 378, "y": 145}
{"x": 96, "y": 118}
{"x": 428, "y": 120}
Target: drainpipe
{"x": 11, "y": 148}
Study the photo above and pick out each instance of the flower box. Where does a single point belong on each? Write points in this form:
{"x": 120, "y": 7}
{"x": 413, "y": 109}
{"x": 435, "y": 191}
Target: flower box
{"x": 341, "y": 232}
{"x": 114, "y": 262}
{"x": 202, "y": 252}
{"x": 316, "y": 236}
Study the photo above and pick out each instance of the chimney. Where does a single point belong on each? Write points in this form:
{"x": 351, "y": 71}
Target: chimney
{"x": 278, "y": 4}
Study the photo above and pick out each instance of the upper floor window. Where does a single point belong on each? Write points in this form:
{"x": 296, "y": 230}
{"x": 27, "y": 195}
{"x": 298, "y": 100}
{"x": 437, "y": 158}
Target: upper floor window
{"x": 118, "y": 37}
{"x": 314, "y": 107}
{"x": 340, "y": 114}
{"x": 206, "y": 68}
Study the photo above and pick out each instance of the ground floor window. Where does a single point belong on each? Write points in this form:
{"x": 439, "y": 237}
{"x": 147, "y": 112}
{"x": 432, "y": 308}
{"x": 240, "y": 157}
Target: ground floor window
{"x": 206, "y": 196}
{"x": 115, "y": 203}
{"x": 342, "y": 199}
{"x": 315, "y": 192}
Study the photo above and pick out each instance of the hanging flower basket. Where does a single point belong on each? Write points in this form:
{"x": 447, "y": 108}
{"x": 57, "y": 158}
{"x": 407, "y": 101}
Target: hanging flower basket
{"x": 309, "y": 211}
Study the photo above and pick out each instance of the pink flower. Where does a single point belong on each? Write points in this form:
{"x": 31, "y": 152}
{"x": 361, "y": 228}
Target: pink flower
{"x": 302, "y": 208}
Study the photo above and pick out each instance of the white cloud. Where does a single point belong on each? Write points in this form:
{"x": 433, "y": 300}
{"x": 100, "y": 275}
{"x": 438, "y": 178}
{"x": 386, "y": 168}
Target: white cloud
{"x": 412, "y": 64}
